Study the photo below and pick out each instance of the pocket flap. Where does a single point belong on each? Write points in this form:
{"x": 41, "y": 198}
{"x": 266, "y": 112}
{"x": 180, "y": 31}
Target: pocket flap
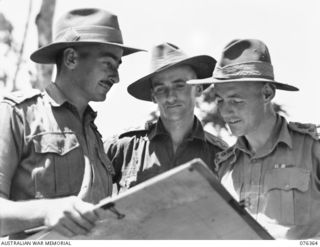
{"x": 287, "y": 179}
{"x": 55, "y": 142}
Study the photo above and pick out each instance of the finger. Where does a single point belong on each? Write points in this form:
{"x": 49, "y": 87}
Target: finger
{"x": 87, "y": 212}
{"x": 100, "y": 213}
{"x": 77, "y": 220}
{"x": 64, "y": 230}
{"x": 71, "y": 222}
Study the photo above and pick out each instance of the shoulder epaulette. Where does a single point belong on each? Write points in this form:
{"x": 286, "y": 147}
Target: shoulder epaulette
{"x": 224, "y": 155}
{"x": 18, "y": 97}
{"x": 133, "y": 132}
{"x": 138, "y": 130}
{"x": 216, "y": 141}
{"x": 308, "y": 129}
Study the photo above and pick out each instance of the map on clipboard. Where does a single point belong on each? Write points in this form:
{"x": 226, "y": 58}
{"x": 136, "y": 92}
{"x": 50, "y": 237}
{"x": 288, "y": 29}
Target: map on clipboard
{"x": 187, "y": 202}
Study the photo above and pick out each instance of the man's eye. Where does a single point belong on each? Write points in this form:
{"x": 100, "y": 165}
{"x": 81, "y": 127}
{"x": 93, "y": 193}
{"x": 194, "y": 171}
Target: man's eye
{"x": 236, "y": 101}
{"x": 111, "y": 65}
{"x": 180, "y": 85}
{"x": 107, "y": 63}
{"x": 159, "y": 90}
{"x": 219, "y": 100}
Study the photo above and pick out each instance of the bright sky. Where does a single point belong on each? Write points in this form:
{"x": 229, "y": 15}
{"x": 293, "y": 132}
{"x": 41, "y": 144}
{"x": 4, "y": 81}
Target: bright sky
{"x": 290, "y": 28}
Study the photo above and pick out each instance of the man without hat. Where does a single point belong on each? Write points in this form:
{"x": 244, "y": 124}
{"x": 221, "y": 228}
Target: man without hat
{"x": 274, "y": 167}
{"x": 53, "y": 168}
{"x": 177, "y": 137}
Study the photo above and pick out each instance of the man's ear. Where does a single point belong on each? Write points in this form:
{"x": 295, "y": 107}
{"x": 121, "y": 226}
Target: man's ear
{"x": 153, "y": 100}
{"x": 70, "y": 58}
{"x": 152, "y": 96}
{"x": 268, "y": 92}
{"x": 199, "y": 90}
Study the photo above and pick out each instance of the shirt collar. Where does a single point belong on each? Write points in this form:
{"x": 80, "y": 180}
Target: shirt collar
{"x": 197, "y": 131}
{"x": 57, "y": 98}
{"x": 280, "y": 134}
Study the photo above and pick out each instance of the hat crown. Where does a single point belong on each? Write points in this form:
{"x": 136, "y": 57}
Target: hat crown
{"x": 86, "y": 17}
{"x": 83, "y": 27}
{"x": 88, "y": 25}
{"x": 244, "y": 51}
{"x": 164, "y": 55}
{"x": 244, "y": 58}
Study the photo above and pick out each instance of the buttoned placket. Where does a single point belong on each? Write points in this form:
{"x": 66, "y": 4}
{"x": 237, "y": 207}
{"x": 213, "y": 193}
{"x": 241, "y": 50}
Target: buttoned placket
{"x": 253, "y": 189}
{"x": 89, "y": 162}
{"x": 94, "y": 162}
{"x": 178, "y": 152}
{"x": 255, "y": 184}
{"x": 87, "y": 174}
{"x": 171, "y": 154}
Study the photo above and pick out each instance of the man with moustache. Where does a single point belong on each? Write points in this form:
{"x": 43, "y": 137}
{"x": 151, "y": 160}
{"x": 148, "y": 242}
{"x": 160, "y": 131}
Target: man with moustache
{"x": 53, "y": 168}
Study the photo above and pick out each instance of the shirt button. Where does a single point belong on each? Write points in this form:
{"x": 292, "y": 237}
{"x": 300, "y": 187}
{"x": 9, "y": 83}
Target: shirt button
{"x": 287, "y": 186}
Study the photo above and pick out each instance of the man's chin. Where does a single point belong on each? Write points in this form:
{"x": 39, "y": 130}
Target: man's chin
{"x": 174, "y": 116}
{"x": 100, "y": 98}
{"x": 236, "y": 132}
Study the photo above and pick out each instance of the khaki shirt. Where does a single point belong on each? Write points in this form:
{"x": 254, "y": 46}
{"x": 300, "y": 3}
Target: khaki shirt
{"x": 142, "y": 154}
{"x": 46, "y": 151}
{"x": 281, "y": 182}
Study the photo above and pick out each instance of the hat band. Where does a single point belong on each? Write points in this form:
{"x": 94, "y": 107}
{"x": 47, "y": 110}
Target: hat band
{"x": 90, "y": 33}
{"x": 242, "y": 70}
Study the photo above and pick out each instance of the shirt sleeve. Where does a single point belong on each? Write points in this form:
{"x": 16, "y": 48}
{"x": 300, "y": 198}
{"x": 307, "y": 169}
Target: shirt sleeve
{"x": 316, "y": 165}
{"x": 10, "y": 145}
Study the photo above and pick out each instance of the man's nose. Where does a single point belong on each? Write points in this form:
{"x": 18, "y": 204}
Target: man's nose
{"x": 171, "y": 95}
{"x": 225, "y": 109}
{"x": 115, "y": 77}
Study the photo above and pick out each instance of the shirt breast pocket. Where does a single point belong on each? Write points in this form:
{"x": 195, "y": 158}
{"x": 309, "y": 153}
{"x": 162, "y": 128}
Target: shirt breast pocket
{"x": 58, "y": 165}
{"x": 286, "y": 199}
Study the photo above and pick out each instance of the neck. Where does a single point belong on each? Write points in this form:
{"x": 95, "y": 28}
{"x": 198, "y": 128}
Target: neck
{"x": 178, "y": 129}
{"x": 66, "y": 85}
{"x": 258, "y": 138}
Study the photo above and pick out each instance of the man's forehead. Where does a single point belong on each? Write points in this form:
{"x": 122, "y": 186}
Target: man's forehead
{"x": 173, "y": 75}
{"x": 233, "y": 89}
{"x": 102, "y": 50}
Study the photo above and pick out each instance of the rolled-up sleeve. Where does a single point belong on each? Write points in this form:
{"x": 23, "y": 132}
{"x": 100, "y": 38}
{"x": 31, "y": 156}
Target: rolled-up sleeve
{"x": 10, "y": 145}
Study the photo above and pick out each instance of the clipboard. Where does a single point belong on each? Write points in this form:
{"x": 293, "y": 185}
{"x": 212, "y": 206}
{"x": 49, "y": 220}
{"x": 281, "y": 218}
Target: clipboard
{"x": 186, "y": 203}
